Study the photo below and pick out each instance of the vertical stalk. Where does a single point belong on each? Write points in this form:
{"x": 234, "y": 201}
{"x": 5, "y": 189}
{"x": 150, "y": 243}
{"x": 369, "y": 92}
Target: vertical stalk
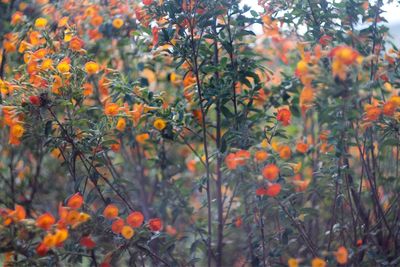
{"x": 220, "y": 208}
{"x": 205, "y": 142}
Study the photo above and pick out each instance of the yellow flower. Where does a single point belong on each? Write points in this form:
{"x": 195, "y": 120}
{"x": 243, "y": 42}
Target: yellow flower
{"x": 92, "y": 67}
{"x": 127, "y": 232}
{"x": 61, "y": 235}
{"x": 47, "y": 63}
{"x": 68, "y": 34}
{"x": 63, "y": 67}
{"x": 159, "y": 124}
{"x": 302, "y": 67}
{"x": 121, "y": 124}
{"x": 83, "y": 217}
{"x": 40, "y": 22}
{"x": 118, "y": 23}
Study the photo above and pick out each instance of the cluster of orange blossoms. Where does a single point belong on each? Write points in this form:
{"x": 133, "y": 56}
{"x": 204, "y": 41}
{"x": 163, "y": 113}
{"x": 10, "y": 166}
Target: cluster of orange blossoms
{"x": 342, "y": 58}
{"x": 388, "y": 108}
{"x": 133, "y": 220}
{"x": 341, "y": 256}
{"x": 56, "y": 231}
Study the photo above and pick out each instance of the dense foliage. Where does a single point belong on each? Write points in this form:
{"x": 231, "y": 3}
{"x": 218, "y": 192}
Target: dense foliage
{"x": 174, "y": 133}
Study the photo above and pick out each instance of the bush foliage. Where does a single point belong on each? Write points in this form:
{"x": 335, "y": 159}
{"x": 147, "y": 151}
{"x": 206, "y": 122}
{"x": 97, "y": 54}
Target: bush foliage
{"x": 175, "y": 133}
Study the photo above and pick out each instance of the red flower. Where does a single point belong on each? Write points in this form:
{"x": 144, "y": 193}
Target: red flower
{"x": 87, "y": 242}
{"x": 154, "y": 31}
{"x": 35, "y": 100}
{"x": 284, "y": 116}
{"x": 325, "y": 40}
{"x": 271, "y": 191}
{"x": 238, "y": 222}
{"x": 42, "y": 249}
{"x": 155, "y": 224}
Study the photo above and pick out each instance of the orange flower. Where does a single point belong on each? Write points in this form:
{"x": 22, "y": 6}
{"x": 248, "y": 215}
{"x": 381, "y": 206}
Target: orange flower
{"x": 155, "y": 224}
{"x": 76, "y": 43}
{"x": 318, "y": 262}
{"x": 260, "y": 156}
{"x": 293, "y": 262}
{"x": 242, "y": 156}
{"x": 127, "y": 232}
{"x": 75, "y": 201}
{"x": 72, "y": 217}
{"x": 121, "y": 124}
{"x": 189, "y": 80}
{"x": 301, "y": 147}
{"x": 110, "y": 212}
{"x": 230, "y": 161}
{"x": 57, "y": 84}
{"x": 344, "y": 54}
{"x": 372, "y": 112}
{"x": 389, "y": 108}
{"x": 96, "y": 20}
{"x": 50, "y": 240}
{"x": 117, "y": 225}
{"x": 16, "y": 132}
{"x": 92, "y": 67}
{"x": 285, "y": 152}
{"x": 115, "y": 147}
{"x": 306, "y": 96}
{"x": 18, "y": 214}
{"x": 62, "y": 22}
{"x": 111, "y": 109}
{"x": 284, "y": 116}
{"x": 342, "y": 255}
{"x": 45, "y": 221}
{"x": 270, "y": 172}
{"x": 17, "y": 17}
{"x": 135, "y": 219}
{"x": 87, "y": 89}
{"x": 301, "y": 185}
{"x": 147, "y": 2}
{"x": 142, "y": 138}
